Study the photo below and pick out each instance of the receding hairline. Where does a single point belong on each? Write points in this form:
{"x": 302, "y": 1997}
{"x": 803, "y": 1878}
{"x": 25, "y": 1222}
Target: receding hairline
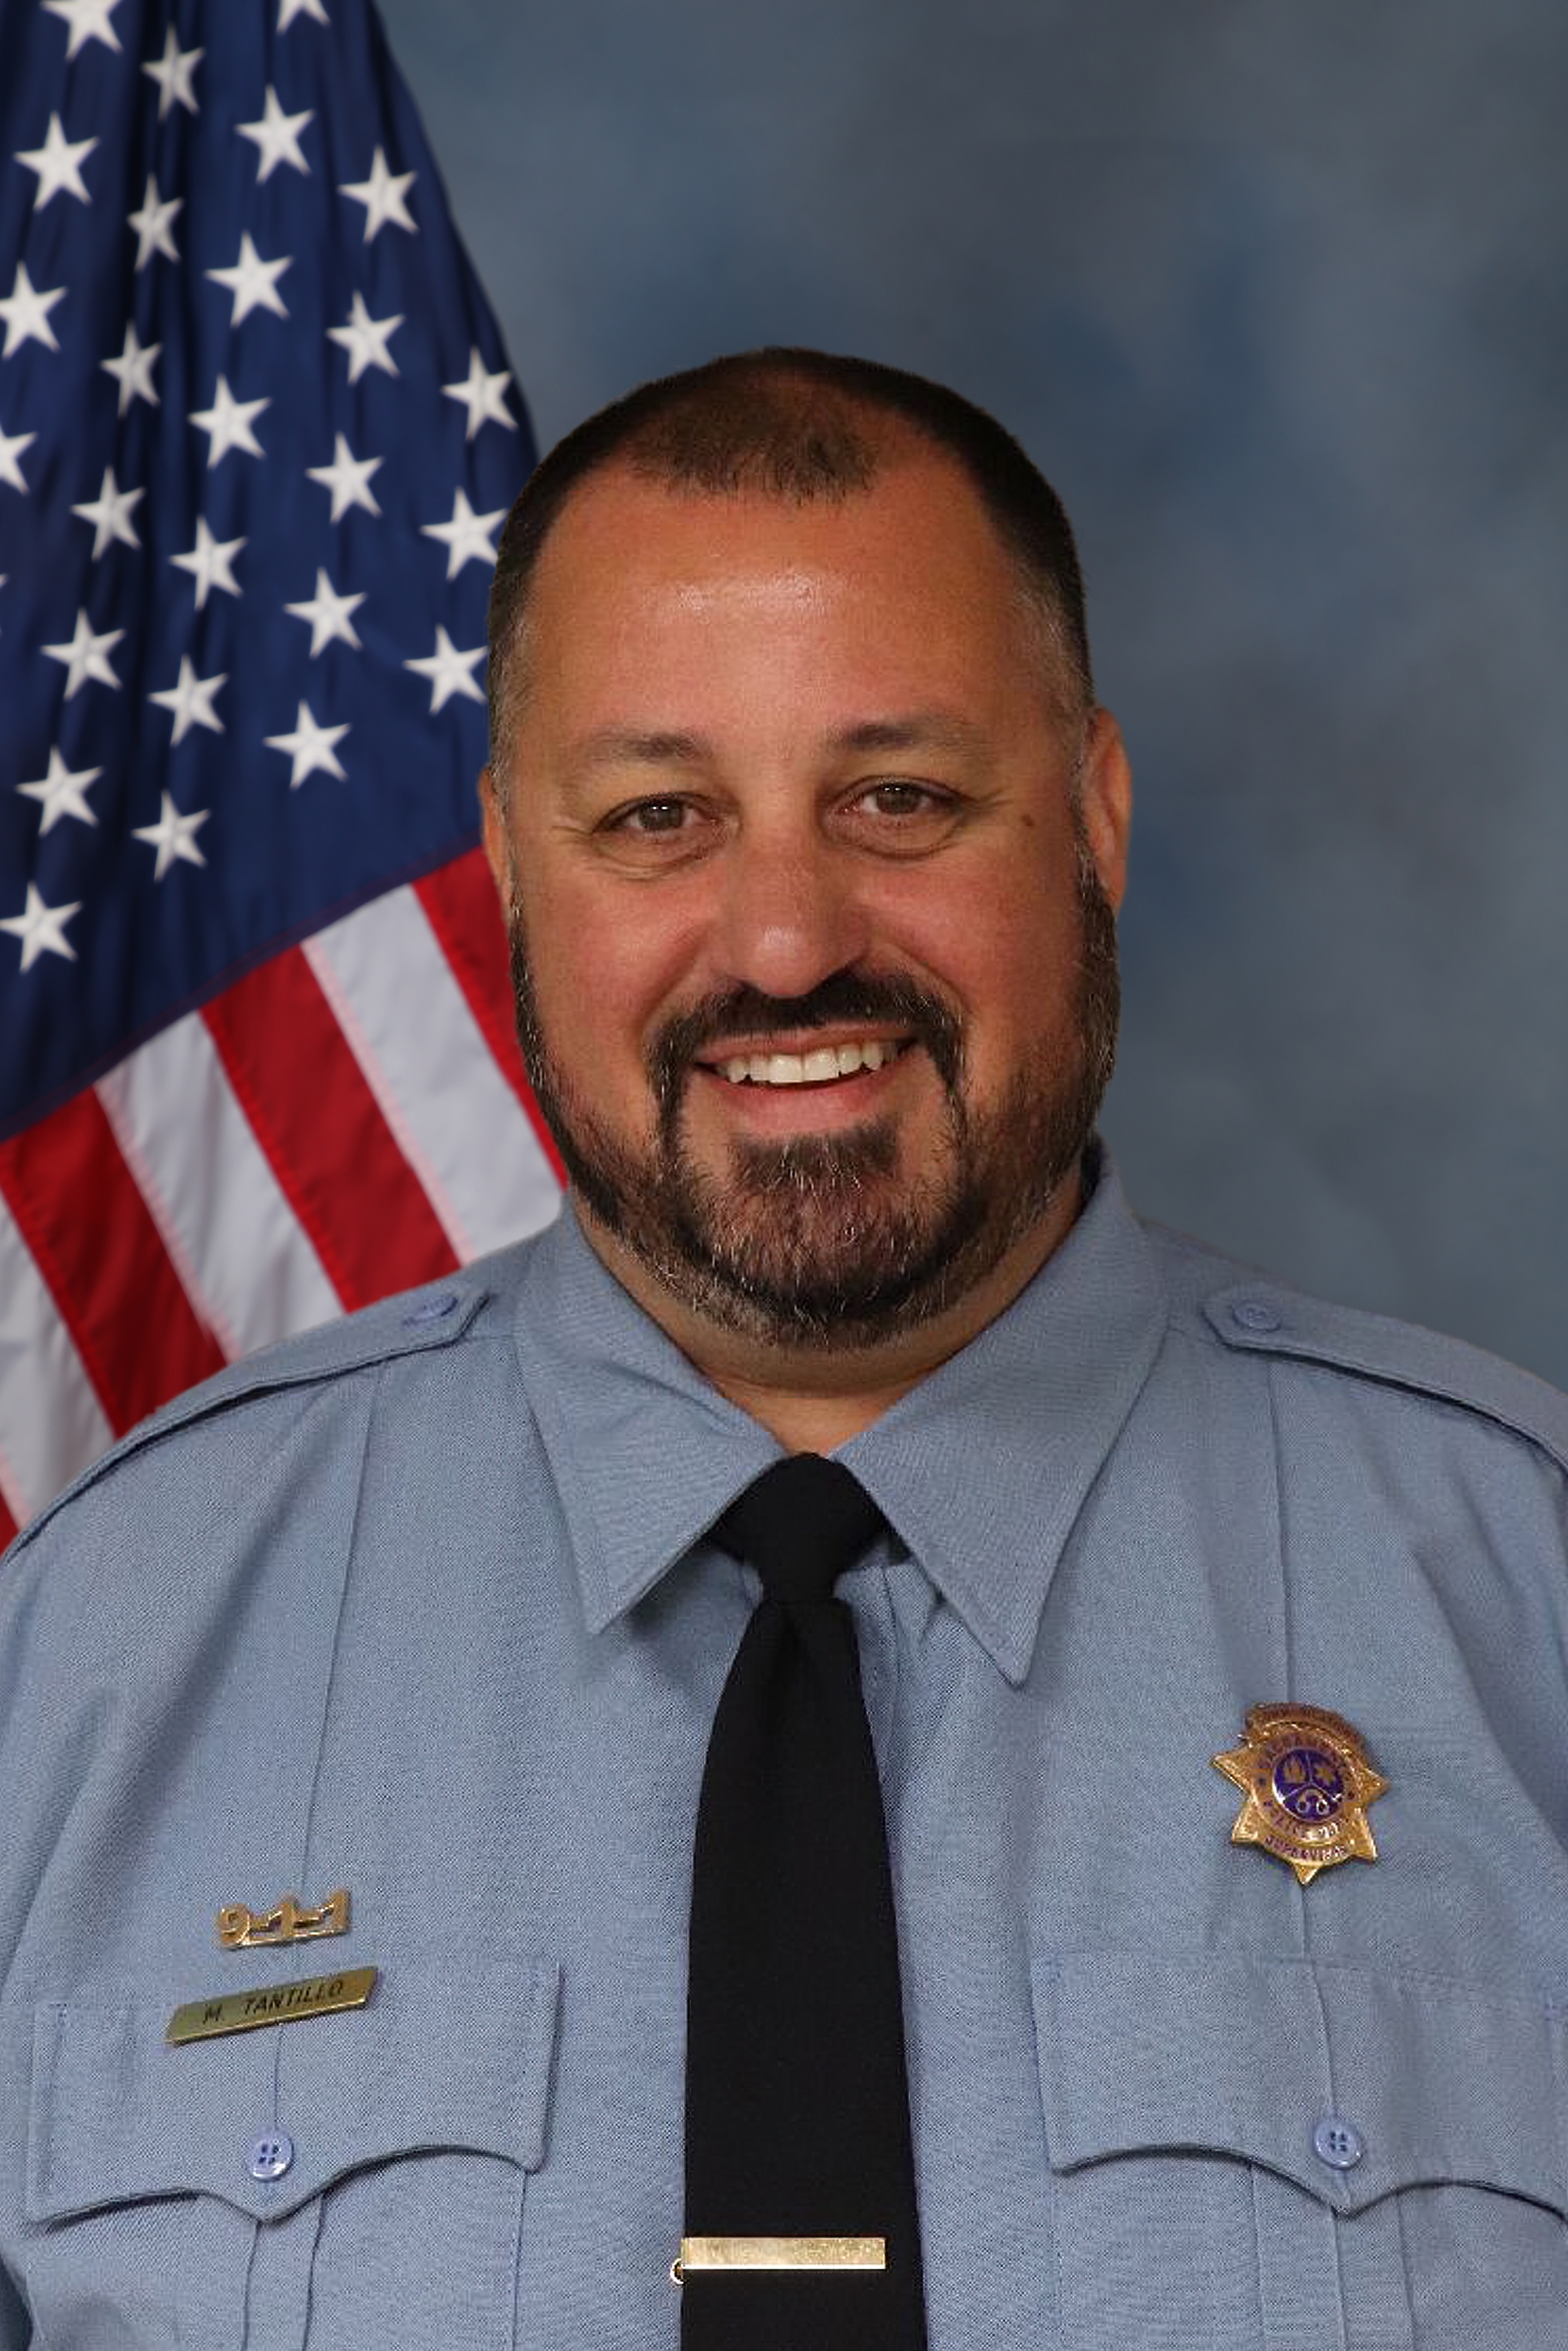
{"x": 798, "y": 428}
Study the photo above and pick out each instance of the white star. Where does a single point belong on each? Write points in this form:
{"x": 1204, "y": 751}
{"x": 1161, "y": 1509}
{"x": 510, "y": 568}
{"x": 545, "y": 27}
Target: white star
{"x": 58, "y": 163}
{"x": 253, "y": 282}
{"x": 62, "y": 793}
{"x": 383, "y": 197}
{"x": 483, "y": 395}
{"x": 110, "y": 513}
{"x": 310, "y": 747}
{"x": 26, "y": 313}
{"x": 151, "y": 223}
{"x": 289, "y": 9}
{"x": 88, "y": 21}
{"x": 466, "y": 536}
{"x": 449, "y": 672}
{"x": 348, "y": 478}
{"x": 208, "y": 563}
{"x": 86, "y": 655}
{"x": 174, "y": 837}
{"x": 11, "y": 447}
{"x": 229, "y": 423}
{"x": 42, "y": 929}
{"x": 173, "y": 73}
{"x": 191, "y": 700}
{"x": 133, "y": 369}
{"x": 276, "y": 137}
{"x": 328, "y": 614}
{"x": 365, "y": 340}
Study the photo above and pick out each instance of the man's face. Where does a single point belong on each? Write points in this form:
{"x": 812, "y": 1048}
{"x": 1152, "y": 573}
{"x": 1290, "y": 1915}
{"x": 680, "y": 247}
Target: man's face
{"x": 813, "y": 939}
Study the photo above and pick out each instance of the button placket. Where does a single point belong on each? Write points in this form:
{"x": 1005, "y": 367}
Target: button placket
{"x": 1297, "y": 2267}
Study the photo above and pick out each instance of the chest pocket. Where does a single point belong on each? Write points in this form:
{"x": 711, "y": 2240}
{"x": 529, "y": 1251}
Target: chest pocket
{"x": 1287, "y": 2155}
{"x": 334, "y": 2180}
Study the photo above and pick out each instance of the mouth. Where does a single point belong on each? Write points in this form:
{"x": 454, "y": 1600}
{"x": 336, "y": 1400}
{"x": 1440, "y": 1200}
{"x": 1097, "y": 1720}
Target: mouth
{"x": 819, "y": 1065}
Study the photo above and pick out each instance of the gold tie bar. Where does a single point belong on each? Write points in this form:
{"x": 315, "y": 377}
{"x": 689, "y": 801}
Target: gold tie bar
{"x": 780, "y": 2253}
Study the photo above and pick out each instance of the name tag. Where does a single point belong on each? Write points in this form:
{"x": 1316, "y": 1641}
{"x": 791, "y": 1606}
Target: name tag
{"x": 243, "y": 2011}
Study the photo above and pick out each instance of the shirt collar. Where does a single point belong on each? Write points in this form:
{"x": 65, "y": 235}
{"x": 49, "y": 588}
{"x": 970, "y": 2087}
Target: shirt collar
{"x": 983, "y": 1468}
{"x": 981, "y": 1471}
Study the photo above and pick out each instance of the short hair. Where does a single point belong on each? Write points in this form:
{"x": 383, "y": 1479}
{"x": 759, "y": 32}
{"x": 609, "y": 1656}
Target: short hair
{"x": 792, "y": 425}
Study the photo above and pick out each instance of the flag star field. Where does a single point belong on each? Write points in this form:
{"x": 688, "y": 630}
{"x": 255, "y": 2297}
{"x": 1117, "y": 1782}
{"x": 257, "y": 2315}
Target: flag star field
{"x": 257, "y": 437}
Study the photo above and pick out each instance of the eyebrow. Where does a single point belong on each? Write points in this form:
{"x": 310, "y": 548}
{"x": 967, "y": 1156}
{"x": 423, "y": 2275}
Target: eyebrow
{"x": 612, "y": 746}
{"x": 920, "y": 730}
{"x": 667, "y": 747}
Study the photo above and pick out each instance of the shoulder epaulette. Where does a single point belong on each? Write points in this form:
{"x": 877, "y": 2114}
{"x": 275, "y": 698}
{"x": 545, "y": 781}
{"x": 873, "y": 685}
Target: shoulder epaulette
{"x": 414, "y": 1322}
{"x": 1264, "y": 1317}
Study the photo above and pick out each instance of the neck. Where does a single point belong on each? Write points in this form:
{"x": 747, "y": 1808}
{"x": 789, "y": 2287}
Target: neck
{"x": 815, "y": 1399}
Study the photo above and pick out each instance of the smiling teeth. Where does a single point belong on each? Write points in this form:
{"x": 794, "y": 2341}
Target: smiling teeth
{"x": 813, "y": 1068}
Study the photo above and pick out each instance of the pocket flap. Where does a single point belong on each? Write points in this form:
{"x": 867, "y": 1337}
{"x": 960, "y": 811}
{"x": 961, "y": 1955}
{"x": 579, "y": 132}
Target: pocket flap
{"x": 440, "y": 2059}
{"x": 1248, "y": 2058}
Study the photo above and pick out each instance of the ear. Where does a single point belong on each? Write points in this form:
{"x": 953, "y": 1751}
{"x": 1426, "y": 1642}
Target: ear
{"x": 1105, "y": 802}
{"x": 498, "y": 839}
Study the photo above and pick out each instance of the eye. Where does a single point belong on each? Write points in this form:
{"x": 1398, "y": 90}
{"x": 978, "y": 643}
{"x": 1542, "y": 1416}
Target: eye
{"x": 667, "y": 829}
{"x": 649, "y": 816}
{"x": 898, "y": 797}
{"x": 898, "y": 817}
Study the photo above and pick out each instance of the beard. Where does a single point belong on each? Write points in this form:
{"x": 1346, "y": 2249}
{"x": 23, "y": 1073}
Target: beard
{"x": 815, "y": 1241}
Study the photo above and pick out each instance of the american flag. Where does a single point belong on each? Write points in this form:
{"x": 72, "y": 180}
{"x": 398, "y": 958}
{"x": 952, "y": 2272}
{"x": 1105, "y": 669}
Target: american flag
{"x": 258, "y": 434}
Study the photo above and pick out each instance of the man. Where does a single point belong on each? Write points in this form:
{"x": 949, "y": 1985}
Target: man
{"x": 810, "y": 833}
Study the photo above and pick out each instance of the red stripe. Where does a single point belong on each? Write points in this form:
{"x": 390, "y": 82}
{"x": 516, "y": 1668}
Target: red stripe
{"x": 465, "y": 915}
{"x": 322, "y": 1129}
{"x": 9, "y": 1527}
{"x": 100, "y": 1254}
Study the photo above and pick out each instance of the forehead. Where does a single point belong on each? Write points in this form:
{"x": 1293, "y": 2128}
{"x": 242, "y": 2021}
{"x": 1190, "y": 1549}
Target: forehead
{"x": 914, "y": 548}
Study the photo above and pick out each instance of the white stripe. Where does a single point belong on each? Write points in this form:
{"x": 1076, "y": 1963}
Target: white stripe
{"x": 248, "y": 1264}
{"x": 51, "y": 1423}
{"x": 456, "y": 1120}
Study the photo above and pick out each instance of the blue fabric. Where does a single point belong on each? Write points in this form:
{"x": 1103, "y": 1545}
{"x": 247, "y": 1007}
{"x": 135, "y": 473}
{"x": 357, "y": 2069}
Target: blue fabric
{"x": 421, "y": 1606}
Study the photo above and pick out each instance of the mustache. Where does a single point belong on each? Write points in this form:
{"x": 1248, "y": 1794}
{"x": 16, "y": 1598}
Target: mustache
{"x": 842, "y": 997}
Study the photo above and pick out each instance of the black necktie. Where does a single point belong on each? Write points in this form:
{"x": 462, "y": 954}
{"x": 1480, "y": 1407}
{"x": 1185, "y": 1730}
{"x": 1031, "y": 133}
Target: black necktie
{"x": 797, "y": 2097}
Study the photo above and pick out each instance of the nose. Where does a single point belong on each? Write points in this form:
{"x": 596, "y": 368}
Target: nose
{"x": 790, "y": 913}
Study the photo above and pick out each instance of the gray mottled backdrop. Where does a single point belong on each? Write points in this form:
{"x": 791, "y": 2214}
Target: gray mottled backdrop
{"x": 1276, "y": 294}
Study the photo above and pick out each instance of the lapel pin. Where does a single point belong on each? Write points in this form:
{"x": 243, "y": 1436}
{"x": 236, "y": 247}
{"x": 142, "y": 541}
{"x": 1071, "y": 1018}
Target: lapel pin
{"x": 240, "y": 1928}
{"x": 1307, "y": 1780}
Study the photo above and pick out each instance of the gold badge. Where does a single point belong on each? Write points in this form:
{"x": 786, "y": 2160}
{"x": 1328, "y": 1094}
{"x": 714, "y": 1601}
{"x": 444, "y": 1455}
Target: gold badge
{"x": 241, "y": 1929}
{"x": 1307, "y": 1780}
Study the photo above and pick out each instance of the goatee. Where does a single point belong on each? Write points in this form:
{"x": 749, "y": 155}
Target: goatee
{"x": 821, "y": 1241}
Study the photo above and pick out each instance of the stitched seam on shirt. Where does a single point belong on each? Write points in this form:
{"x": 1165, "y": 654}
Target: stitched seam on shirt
{"x": 250, "y": 2254}
{"x": 1554, "y": 2041}
{"x": 1035, "y": 1963}
{"x": 1259, "y": 2244}
{"x": 1337, "y": 2217}
{"x": 519, "y": 2208}
{"x": 329, "y": 1685}
{"x": 1287, "y": 1607}
{"x": 1398, "y": 2203}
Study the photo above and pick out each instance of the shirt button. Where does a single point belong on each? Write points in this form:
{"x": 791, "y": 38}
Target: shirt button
{"x": 430, "y": 1309}
{"x": 270, "y": 2155}
{"x": 1255, "y": 1314}
{"x": 1338, "y": 2143}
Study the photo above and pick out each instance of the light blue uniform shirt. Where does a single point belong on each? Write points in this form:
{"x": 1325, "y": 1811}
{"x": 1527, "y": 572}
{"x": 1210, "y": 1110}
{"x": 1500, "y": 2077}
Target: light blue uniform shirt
{"x": 421, "y": 1606}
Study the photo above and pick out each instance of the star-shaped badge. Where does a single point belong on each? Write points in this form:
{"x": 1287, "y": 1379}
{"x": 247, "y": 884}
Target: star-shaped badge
{"x": 1307, "y": 1780}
